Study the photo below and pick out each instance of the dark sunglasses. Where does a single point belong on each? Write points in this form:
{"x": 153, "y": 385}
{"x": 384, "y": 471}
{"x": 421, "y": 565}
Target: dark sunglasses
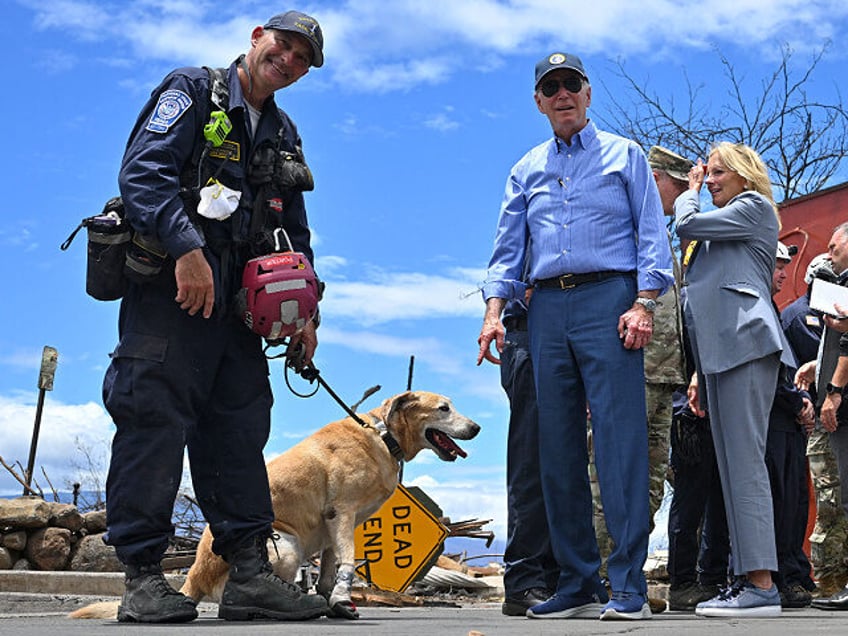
{"x": 572, "y": 84}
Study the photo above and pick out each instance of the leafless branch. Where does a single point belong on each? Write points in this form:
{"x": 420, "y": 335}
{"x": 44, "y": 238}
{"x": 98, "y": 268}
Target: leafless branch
{"x": 802, "y": 140}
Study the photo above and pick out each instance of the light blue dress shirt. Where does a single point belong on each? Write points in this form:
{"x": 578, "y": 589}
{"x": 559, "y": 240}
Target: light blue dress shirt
{"x": 588, "y": 207}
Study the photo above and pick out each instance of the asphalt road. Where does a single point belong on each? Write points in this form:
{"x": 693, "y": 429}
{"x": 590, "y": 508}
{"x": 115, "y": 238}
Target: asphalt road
{"x": 40, "y": 614}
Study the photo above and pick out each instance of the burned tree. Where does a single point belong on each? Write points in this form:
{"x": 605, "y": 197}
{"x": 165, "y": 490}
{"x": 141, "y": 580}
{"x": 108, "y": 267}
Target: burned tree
{"x": 802, "y": 140}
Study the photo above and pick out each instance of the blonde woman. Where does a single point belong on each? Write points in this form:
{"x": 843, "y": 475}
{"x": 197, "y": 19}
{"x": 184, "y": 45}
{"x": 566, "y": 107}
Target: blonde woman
{"x": 738, "y": 347}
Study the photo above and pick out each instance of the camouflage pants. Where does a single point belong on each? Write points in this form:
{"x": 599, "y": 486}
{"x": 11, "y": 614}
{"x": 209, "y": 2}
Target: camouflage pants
{"x": 658, "y": 398}
{"x": 828, "y": 540}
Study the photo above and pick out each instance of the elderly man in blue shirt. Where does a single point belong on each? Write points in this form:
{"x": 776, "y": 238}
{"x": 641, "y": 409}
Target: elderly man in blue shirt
{"x": 583, "y": 208}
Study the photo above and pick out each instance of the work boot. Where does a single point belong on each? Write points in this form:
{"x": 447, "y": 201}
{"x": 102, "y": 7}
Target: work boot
{"x": 795, "y": 596}
{"x": 685, "y": 597}
{"x": 254, "y": 591}
{"x": 149, "y": 598}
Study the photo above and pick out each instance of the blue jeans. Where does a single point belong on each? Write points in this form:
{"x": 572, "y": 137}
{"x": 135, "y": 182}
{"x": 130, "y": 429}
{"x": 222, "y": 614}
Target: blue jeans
{"x": 579, "y": 358}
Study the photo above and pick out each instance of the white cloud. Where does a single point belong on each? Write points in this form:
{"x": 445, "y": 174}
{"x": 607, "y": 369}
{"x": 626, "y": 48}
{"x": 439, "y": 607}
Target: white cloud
{"x": 66, "y": 433}
{"x": 441, "y": 122}
{"x": 453, "y": 496}
{"x": 454, "y": 369}
{"x": 382, "y": 47}
{"x": 383, "y": 296}
{"x": 21, "y": 359}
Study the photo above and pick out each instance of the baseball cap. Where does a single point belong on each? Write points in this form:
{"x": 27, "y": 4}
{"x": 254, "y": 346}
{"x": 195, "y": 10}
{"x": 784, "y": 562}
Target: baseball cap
{"x": 671, "y": 163}
{"x": 307, "y": 26}
{"x": 559, "y": 60}
{"x": 783, "y": 253}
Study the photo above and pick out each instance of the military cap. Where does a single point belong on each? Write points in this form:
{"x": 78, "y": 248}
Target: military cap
{"x": 671, "y": 163}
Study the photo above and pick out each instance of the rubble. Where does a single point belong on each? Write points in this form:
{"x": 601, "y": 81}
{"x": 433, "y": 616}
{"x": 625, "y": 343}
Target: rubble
{"x": 39, "y": 535}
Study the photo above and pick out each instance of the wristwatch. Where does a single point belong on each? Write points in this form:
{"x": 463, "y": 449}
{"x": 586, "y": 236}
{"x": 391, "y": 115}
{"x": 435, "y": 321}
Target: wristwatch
{"x": 649, "y": 304}
{"x": 832, "y": 388}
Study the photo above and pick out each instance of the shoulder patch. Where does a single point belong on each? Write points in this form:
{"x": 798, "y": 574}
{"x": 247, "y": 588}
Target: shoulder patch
{"x": 813, "y": 321}
{"x": 170, "y": 107}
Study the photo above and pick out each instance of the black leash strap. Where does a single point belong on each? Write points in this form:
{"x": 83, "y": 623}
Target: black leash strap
{"x": 294, "y": 361}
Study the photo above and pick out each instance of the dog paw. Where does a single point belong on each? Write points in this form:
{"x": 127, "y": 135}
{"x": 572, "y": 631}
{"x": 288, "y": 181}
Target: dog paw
{"x": 343, "y": 609}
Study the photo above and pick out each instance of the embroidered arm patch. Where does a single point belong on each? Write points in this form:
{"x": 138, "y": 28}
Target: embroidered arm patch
{"x": 171, "y": 106}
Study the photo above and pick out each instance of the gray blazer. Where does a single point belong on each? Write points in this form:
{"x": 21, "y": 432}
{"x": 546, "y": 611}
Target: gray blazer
{"x": 728, "y": 308}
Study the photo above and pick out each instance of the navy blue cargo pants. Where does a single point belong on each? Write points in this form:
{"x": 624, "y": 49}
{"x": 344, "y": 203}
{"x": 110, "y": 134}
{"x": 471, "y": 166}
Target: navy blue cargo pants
{"x": 175, "y": 382}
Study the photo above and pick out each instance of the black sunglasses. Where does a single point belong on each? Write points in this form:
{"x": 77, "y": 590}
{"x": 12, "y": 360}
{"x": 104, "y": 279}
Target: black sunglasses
{"x": 572, "y": 84}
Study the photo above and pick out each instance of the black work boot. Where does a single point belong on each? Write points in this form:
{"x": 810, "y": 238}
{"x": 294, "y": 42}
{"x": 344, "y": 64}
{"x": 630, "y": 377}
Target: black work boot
{"x": 149, "y": 598}
{"x": 254, "y": 591}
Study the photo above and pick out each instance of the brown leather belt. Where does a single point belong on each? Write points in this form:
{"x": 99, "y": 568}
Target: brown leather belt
{"x": 567, "y": 281}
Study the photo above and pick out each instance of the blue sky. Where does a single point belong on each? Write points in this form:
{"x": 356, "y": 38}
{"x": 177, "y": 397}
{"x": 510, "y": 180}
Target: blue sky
{"x": 410, "y": 129}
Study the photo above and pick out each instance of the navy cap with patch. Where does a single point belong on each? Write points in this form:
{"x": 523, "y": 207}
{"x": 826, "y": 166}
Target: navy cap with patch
{"x": 307, "y": 26}
{"x": 559, "y": 60}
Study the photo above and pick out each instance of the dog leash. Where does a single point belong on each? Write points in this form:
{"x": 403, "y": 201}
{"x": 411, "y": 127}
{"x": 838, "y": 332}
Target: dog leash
{"x": 294, "y": 361}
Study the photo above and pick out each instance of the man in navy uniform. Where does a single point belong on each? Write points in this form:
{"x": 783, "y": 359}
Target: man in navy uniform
{"x": 187, "y": 372}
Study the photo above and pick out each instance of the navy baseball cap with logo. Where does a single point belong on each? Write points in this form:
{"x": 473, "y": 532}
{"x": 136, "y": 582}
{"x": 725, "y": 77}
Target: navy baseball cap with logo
{"x": 559, "y": 60}
{"x": 307, "y": 26}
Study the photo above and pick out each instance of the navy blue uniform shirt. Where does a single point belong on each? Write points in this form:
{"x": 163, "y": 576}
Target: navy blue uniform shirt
{"x": 168, "y": 137}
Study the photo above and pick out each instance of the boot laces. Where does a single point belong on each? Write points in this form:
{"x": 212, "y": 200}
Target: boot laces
{"x": 158, "y": 584}
{"x": 268, "y": 569}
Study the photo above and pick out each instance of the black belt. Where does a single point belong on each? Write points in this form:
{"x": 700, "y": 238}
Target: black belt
{"x": 515, "y": 323}
{"x": 567, "y": 281}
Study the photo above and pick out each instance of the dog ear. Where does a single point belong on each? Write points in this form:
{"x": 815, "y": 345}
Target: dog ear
{"x": 399, "y": 402}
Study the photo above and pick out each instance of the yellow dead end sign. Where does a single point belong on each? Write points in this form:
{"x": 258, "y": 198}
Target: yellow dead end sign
{"x": 395, "y": 544}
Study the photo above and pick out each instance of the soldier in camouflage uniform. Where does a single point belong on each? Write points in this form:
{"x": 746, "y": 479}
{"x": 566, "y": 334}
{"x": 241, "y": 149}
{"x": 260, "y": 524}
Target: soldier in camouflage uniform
{"x": 803, "y": 327}
{"x": 664, "y": 363}
{"x": 828, "y": 540}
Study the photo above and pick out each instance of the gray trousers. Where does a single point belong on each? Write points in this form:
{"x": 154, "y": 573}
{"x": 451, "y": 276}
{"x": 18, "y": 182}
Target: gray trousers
{"x": 739, "y": 403}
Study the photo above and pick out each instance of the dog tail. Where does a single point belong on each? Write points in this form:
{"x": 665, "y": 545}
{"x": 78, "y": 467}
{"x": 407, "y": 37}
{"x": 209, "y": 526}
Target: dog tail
{"x": 101, "y": 610}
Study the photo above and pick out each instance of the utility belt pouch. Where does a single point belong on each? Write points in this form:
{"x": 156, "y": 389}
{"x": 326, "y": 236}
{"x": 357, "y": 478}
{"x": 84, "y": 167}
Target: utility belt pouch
{"x": 292, "y": 172}
{"x": 282, "y": 169}
{"x": 108, "y": 237}
{"x": 144, "y": 259}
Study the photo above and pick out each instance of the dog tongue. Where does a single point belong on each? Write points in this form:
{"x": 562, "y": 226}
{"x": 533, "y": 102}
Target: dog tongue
{"x": 448, "y": 444}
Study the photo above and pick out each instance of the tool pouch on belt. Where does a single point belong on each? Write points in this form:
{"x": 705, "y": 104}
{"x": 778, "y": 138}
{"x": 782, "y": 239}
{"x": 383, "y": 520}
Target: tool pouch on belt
{"x": 280, "y": 168}
{"x": 116, "y": 253}
{"x": 108, "y": 237}
{"x": 144, "y": 260}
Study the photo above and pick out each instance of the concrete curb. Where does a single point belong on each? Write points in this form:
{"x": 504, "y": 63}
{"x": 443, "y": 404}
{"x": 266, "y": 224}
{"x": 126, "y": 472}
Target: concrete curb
{"x": 76, "y": 583}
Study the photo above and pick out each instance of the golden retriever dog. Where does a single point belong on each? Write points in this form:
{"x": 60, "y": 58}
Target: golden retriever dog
{"x": 325, "y": 486}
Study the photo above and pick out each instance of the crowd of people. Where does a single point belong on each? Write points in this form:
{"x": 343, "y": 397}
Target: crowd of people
{"x": 601, "y": 312}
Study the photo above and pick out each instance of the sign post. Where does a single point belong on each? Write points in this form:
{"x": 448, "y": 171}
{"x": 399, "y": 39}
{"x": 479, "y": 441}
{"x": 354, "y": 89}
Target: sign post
{"x": 395, "y": 544}
{"x": 49, "y": 359}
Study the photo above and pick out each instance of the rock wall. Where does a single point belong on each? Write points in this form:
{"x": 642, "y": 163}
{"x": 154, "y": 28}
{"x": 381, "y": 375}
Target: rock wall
{"x": 40, "y": 535}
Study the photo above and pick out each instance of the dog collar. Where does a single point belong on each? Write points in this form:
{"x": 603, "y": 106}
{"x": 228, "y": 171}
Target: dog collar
{"x": 388, "y": 439}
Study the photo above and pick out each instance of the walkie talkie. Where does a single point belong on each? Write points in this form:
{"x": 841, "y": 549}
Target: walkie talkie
{"x": 218, "y": 128}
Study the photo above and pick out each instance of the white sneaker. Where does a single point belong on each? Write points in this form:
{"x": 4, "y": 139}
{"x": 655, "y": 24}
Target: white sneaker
{"x": 740, "y": 601}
